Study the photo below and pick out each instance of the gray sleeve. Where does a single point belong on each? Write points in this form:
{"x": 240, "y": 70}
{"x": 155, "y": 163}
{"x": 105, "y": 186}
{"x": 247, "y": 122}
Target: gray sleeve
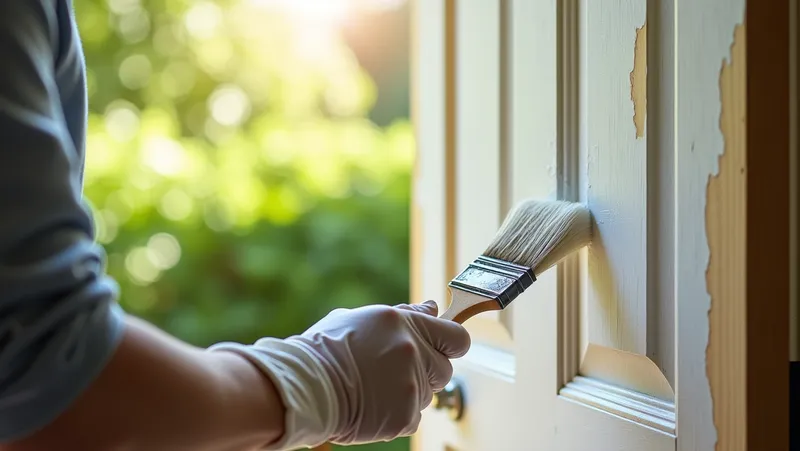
{"x": 59, "y": 323}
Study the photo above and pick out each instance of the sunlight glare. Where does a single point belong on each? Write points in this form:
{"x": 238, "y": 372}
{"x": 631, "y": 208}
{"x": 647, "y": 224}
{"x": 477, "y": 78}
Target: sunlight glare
{"x": 331, "y": 12}
{"x": 203, "y": 20}
{"x": 229, "y": 105}
{"x": 164, "y": 155}
{"x": 315, "y": 22}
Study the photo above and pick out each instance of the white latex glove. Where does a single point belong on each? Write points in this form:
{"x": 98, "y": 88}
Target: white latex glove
{"x": 360, "y": 375}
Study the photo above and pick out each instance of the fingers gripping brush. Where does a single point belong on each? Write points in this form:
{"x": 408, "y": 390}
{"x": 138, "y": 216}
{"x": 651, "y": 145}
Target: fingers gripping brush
{"x": 534, "y": 237}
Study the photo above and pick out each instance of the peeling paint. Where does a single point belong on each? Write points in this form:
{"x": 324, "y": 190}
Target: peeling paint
{"x": 726, "y": 210}
{"x": 703, "y": 34}
{"x": 639, "y": 81}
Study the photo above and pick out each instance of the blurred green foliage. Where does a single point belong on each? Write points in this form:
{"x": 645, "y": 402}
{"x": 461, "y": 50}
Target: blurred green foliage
{"x": 236, "y": 182}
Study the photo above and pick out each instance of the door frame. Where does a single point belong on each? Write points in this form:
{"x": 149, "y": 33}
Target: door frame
{"x": 768, "y": 225}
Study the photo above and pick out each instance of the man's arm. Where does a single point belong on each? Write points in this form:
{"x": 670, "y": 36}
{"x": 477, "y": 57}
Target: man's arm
{"x": 158, "y": 393}
{"x": 75, "y": 372}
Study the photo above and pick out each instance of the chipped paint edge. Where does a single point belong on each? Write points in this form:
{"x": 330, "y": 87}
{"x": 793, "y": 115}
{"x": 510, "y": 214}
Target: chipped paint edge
{"x": 638, "y": 79}
{"x": 726, "y": 278}
{"x": 704, "y": 35}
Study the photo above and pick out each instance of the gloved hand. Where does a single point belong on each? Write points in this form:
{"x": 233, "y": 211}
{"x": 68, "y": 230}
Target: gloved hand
{"x": 359, "y": 375}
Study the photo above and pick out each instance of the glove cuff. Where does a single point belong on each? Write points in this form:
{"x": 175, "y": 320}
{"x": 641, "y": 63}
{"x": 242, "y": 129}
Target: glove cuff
{"x": 304, "y": 387}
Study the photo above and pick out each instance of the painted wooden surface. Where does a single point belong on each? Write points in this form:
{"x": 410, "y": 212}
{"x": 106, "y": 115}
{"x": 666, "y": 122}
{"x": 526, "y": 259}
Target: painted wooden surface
{"x": 726, "y": 277}
{"x": 614, "y": 126}
{"x": 479, "y": 154}
{"x": 733, "y": 148}
{"x": 627, "y": 181}
{"x": 705, "y": 34}
{"x": 619, "y": 182}
{"x": 457, "y": 203}
{"x": 535, "y": 143}
{"x": 504, "y": 137}
{"x": 494, "y": 108}
{"x": 661, "y": 183}
{"x": 432, "y": 238}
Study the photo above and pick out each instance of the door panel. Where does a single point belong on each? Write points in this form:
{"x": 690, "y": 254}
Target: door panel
{"x": 614, "y": 125}
{"x": 478, "y": 150}
{"x": 621, "y": 182}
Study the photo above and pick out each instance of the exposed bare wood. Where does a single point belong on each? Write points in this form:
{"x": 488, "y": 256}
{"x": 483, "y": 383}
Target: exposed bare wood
{"x": 704, "y": 35}
{"x": 639, "y": 81}
{"x": 726, "y": 278}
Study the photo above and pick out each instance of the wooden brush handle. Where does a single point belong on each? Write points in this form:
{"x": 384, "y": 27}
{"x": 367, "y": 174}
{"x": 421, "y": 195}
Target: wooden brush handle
{"x": 462, "y": 309}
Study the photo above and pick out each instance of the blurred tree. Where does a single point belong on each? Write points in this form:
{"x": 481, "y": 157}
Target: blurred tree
{"x": 237, "y": 184}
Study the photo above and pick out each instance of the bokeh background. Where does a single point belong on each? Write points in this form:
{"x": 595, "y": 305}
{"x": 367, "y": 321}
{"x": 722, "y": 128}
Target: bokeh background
{"x": 249, "y": 160}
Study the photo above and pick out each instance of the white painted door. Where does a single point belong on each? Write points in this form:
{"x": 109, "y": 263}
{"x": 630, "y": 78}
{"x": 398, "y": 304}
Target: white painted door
{"x": 516, "y": 99}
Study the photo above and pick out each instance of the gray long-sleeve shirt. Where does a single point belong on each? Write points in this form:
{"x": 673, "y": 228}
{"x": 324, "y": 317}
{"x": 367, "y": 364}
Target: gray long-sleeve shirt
{"x": 59, "y": 322}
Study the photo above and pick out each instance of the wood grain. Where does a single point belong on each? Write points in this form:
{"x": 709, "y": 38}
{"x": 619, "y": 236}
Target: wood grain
{"x": 726, "y": 277}
{"x": 745, "y": 167}
{"x": 704, "y": 34}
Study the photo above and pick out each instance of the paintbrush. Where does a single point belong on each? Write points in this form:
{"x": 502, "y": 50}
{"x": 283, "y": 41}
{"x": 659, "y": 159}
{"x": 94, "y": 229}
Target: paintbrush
{"x": 534, "y": 237}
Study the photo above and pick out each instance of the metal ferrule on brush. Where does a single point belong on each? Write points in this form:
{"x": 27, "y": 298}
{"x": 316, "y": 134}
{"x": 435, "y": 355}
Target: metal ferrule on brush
{"x": 494, "y": 279}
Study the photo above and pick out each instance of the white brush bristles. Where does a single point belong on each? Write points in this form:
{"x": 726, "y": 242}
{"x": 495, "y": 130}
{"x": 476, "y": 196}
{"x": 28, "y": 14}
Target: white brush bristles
{"x": 538, "y": 234}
